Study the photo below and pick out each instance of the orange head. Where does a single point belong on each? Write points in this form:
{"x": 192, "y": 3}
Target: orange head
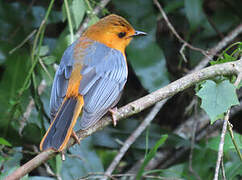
{"x": 113, "y": 31}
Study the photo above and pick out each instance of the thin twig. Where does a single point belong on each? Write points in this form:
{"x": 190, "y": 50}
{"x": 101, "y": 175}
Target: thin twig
{"x": 49, "y": 170}
{"x": 205, "y": 53}
{"x": 138, "y": 106}
{"x": 221, "y": 145}
{"x": 172, "y": 157}
{"x": 99, "y": 175}
{"x": 167, "y": 157}
{"x": 238, "y": 79}
{"x": 230, "y": 126}
{"x": 182, "y": 52}
{"x": 69, "y": 20}
{"x": 132, "y": 138}
{"x": 219, "y": 46}
{"x": 45, "y": 69}
{"x": 23, "y": 42}
{"x": 222, "y": 167}
{"x": 213, "y": 25}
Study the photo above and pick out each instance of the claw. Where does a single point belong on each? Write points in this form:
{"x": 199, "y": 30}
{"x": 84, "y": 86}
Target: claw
{"x": 63, "y": 158}
{"x": 113, "y": 112}
{"x": 73, "y": 134}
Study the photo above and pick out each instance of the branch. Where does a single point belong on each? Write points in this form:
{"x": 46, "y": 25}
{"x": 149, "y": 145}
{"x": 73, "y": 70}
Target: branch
{"x": 221, "y": 145}
{"x": 208, "y": 54}
{"x": 185, "y": 43}
{"x": 133, "y": 137}
{"x": 230, "y": 127}
{"x": 138, "y": 106}
{"x": 167, "y": 157}
{"x": 224, "y": 42}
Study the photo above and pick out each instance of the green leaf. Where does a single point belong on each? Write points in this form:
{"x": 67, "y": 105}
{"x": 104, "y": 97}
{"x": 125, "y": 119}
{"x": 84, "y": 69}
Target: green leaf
{"x": 203, "y": 162}
{"x": 175, "y": 171}
{"x": 78, "y": 11}
{"x": 150, "y": 155}
{"x": 106, "y": 156}
{"x": 233, "y": 169}
{"x": 194, "y": 12}
{"x": 226, "y": 58}
{"x": 44, "y": 50}
{"x": 48, "y": 60}
{"x": 228, "y": 144}
{"x": 4, "y": 142}
{"x": 217, "y": 98}
{"x": 11, "y": 81}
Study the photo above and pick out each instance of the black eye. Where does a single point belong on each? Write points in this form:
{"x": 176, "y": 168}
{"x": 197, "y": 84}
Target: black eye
{"x": 121, "y": 34}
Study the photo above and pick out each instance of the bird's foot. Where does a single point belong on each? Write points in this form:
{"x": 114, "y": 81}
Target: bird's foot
{"x": 63, "y": 157}
{"x": 113, "y": 112}
{"x": 73, "y": 134}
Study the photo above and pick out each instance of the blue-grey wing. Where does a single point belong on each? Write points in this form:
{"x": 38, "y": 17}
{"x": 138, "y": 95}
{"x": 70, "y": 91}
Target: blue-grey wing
{"x": 104, "y": 75}
{"x": 61, "y": 80}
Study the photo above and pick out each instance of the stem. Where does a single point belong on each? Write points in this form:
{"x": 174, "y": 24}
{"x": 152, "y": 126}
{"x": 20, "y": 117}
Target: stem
{"x": 89, "y": 6}
{"x": 221, "y": 145}
{"x": 69, "y": 20}
{"x": 34, "y": 59}
{"x": 233, "y": 140}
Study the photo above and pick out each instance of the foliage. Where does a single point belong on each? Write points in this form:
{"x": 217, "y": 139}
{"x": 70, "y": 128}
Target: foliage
{"x": 30, "y": 50}
{"x": 150, "y": 155}
{"x": 217, "y": 98}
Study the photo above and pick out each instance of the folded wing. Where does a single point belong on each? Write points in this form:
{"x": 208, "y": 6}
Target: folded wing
{"x": 104, "y": 74}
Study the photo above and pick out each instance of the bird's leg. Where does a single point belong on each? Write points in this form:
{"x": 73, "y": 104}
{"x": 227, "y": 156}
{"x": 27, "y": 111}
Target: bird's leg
{"x": 113, "y": 112}
{"x": 63, "y": 157}
{"x": 73, "y": 134}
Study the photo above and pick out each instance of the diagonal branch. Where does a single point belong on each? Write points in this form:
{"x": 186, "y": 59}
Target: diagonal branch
{"x": 133, "y": 137}
{"x": 138, "y": 106}
{"x": 185, "y": 43}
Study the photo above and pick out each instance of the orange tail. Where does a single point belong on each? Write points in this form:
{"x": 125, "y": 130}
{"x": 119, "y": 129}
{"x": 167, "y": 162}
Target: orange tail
{"x": 61, "y": 127}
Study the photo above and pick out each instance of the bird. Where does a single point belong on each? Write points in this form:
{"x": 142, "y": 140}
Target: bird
{"x": 89, "y": 80}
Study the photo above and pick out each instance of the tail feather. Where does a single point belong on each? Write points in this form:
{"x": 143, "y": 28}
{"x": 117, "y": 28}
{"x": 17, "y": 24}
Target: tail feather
{"x": 61, "y": 127}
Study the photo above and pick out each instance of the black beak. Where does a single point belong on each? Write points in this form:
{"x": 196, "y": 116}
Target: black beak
{"x": 139, "y": 33}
